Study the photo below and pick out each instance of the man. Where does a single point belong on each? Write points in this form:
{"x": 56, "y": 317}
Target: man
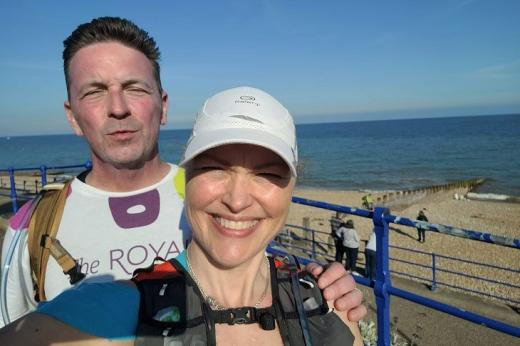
{"x": 128, "y": 208}
{"x": 335, "y": 224}
{"x": 421, "y": 230}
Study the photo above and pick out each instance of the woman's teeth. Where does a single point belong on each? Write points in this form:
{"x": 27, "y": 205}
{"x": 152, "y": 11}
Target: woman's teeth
{"x": 235, "y": 225}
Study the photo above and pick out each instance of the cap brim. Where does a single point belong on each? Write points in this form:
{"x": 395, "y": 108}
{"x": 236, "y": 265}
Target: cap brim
{"x": 211, "y": 139}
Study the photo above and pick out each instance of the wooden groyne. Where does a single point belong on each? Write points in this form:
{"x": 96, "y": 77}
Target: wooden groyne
{"x": 404, "y": 197}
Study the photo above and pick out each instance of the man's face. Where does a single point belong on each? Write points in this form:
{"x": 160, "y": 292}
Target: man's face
{"x": 116, "y": 104}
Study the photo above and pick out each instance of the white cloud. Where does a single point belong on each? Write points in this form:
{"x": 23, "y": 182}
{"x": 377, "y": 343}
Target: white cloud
{"x": 508, "y": 70}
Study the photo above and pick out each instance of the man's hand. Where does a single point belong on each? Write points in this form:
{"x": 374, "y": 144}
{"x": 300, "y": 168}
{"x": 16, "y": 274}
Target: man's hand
{"x": 339, "y": 286}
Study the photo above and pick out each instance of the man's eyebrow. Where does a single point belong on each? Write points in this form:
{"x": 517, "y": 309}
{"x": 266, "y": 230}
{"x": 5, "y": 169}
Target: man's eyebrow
{"x": 103, "y": 85}
{"x": 131, "y": 82}
{"x": 92, "y": 84}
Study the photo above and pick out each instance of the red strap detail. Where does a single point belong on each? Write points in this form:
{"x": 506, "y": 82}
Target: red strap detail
{"x": 159, "y": 271}
{"x": 278, "y": 263}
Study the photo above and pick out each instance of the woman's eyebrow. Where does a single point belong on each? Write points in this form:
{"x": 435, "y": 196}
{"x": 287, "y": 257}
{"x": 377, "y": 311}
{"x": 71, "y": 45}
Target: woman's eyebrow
{"x": 208, "y": 156}
{"x": 273, "y": 164}
{"x": 223, "y": 161}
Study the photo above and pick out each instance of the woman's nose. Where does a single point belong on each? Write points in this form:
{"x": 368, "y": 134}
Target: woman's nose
{"x": 238, "y": 195}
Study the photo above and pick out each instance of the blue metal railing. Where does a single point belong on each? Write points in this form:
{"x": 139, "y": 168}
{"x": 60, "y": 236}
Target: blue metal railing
{"x": 43, "y": 170}
{"x": 435, "y": 268}
{"x": 382, "y": 286}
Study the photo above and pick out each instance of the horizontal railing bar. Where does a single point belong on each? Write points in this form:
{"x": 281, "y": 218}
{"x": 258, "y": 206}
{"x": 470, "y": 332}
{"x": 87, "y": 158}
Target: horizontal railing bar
{"x": 456, "y": 259}
{"x": 479, "y": 263}
{"x": 411, "y": 263}
{"x": 476, "y": 277}
{"x": 457, "y": 232}
{"x": 454, "y": 231}
{"x": 458, "y": 312}
{"x": 477, "y": 292}
{"x": 428, "y": 280}
{"x": 47, "y": 167}
{"x": 410, "y": 250}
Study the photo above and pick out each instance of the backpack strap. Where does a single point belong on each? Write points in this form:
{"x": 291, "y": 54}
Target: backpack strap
{"x": 42, "y": 241}
{"x": 293, "y": 267}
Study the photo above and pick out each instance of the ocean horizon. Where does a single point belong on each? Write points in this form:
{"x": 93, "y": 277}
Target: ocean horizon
{"x": 377, "y": 155}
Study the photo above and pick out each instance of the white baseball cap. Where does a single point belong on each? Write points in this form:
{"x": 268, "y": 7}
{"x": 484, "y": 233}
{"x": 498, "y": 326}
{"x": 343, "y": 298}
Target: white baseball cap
{"x": 244, "y": 115}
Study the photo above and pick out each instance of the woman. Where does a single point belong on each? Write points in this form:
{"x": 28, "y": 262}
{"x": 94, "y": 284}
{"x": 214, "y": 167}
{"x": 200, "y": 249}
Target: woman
{"x": 240, "y": 173}
{"x": 351, "y": 244}
{"x": 370, "y": 256}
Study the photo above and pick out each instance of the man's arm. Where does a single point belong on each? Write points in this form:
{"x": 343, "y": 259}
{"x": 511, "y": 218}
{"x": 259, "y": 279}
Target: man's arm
{"x": 40, "y": 329}
{"x": 15, "y": 279}
{"x": 340, "y": 287}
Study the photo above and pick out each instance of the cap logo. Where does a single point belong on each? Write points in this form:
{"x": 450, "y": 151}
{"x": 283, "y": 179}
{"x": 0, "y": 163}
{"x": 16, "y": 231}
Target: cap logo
{"x": 247, "y": 100}
{"x": 245, "y": 117}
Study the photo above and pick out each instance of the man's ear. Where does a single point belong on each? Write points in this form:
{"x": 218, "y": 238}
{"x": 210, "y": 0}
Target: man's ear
{"x": 72, "y": 119}
{"x": 164, "y": 104}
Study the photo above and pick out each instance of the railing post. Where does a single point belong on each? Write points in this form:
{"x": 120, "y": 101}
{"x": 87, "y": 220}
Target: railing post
{"x": 434, "y": 280}
{"x": 382, "y": 282}
{"x": 313, "y": 245}
{"x": 13, "y": 189}
{"x": 43, "y": 172}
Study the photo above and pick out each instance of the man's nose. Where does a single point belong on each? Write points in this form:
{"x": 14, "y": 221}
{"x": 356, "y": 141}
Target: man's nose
{"x": 117, "y": 104}
{"x": 238, "y": 195}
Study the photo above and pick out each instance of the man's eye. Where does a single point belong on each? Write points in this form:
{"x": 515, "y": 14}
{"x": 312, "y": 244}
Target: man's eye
{"x": 93, "y": 92}
{"x": 137, "y": 91}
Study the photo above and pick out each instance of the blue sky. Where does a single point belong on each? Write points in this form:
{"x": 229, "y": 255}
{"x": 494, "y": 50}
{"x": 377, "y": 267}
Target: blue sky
{"x": 325, "y": 60}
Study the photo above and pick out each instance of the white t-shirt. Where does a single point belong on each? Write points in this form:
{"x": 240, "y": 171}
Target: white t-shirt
{"x": 350, "y": 237}
{"x": 110, "y": 234}
{"x": 372, "y": 245}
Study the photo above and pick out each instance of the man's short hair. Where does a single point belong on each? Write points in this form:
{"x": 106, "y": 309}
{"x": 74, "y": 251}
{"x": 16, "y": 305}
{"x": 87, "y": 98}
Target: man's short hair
{"x": 115, "y": 29}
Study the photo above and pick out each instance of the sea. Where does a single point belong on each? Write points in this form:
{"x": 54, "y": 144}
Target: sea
{"x": 385, "y": 155}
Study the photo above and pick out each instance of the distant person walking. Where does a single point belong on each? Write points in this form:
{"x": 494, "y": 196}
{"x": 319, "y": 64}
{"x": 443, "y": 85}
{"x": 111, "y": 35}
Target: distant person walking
{"x": 351, "y": 243}
{"x": 421, "y": 231}
{"x": 370, "y": 257}
{"x": 368, "y": 201}
{"x": 335, "y": 224}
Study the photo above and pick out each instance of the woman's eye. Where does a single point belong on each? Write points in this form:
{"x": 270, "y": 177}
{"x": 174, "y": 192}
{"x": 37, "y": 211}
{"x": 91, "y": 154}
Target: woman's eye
{"x": 271, "y": 175}
{"x": 208, "y": 168}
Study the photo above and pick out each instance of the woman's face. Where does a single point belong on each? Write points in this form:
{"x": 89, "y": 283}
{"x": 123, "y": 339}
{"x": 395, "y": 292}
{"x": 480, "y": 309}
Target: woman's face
{"x": 237, "y": 200}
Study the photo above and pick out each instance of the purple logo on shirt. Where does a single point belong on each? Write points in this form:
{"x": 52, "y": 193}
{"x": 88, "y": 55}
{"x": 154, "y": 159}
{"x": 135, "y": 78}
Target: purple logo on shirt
{"x": 135, "y": 211}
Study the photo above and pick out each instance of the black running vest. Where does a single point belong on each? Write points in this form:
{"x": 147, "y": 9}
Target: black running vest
{"x": 173, "y": 312}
